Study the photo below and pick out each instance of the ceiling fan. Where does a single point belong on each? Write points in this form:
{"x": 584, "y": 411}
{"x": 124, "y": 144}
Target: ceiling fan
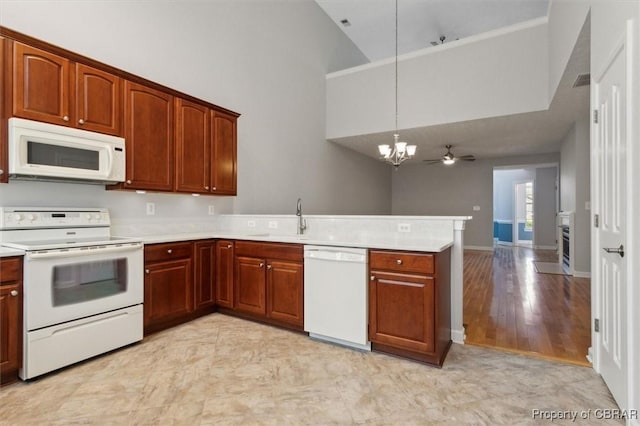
{"x": 449, "y": 159}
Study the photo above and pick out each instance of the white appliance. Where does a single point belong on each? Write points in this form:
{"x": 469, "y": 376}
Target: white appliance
{"x": 336, "y": 295}
{"x": 83, "y": 289}
{"x": 49, "y": 152}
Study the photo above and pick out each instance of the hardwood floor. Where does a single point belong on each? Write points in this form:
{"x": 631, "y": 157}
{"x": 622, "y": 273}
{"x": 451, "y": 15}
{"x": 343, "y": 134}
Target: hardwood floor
{"x": 508, "y": 305}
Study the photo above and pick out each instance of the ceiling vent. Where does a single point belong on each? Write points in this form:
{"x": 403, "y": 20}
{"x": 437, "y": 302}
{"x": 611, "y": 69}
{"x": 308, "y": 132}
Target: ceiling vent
{"x": 582, "y": 80}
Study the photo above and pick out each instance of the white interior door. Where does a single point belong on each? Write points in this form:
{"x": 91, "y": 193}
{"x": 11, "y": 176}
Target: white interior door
{"x": 609, "y": 149}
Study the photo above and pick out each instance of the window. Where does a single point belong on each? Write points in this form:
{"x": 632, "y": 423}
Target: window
{"x": 528, "y": 206}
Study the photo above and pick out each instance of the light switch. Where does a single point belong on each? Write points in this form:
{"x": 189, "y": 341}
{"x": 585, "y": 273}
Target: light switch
{"x": 587, "y": 205}
{"x": 151, "y": 209}
{"x": 476, "y": 208}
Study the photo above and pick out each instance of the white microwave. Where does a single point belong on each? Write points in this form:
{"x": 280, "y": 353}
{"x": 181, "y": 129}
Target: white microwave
{"x": 42, "y": 151}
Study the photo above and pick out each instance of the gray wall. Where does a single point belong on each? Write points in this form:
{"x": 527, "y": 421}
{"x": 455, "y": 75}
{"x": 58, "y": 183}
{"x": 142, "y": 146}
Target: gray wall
{"x": 575, "y": 185}
{"x": 419, "y": 189}
{"x": 266, "y": 60}
{"x": 545, "y": 207}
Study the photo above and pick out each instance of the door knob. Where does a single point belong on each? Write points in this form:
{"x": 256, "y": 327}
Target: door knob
{"x": 619, "y": 250}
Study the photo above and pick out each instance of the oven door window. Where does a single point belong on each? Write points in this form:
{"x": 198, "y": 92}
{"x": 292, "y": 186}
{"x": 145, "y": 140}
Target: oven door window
{"x": 82, "y": 282}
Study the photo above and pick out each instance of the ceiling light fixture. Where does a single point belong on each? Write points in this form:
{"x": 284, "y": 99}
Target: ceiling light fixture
{"x": 400, "y": 151}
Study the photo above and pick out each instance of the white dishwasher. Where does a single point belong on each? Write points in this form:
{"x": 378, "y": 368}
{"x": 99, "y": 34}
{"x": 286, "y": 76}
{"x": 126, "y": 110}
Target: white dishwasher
{"x": 335, "y": 295}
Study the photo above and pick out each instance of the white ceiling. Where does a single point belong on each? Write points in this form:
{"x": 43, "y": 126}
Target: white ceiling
{"x": 521, "y": 134}
{"x": 420, "y": 22}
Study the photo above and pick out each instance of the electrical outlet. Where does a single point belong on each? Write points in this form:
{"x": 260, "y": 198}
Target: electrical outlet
{"x": 273, "y": 224}
{"x": 251, "y": 223}
{"x": 404, "y": 227}
{"x": 476, "y": 208}
{"x": 587, "y": 205}
{"x": 212, "y": 210}
{"x": 151, "y": 209}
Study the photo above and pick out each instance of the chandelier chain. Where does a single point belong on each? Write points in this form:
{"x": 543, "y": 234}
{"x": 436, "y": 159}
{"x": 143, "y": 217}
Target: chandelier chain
{"x": 396, "y": 66}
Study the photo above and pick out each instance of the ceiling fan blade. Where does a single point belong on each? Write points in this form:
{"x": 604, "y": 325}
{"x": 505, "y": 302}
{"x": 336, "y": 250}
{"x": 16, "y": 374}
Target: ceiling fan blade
{"x": 439, "y": 160}
{"x": 435, "y": 43}
{"x": 466, "y": 158}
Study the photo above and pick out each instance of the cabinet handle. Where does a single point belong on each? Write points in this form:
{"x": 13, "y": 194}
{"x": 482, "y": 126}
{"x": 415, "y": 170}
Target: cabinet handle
{"x": 261, "y": 265}
{"x": 229, "y": 245}
{"x": 268, "y": 266}
{"x": 65, "y": 118}
{"x": 399, "y": 261}
{"x": 146, "y": 271}
{"x": 128, "y": 182}
{"x": 169, "y": 251}
{"x": 206, "y": 187}
{"x": 1, "y": 172}
{"x": 14, "y": 293}
{"x": 81, "y": 121}
{"x": 373, "y": 278}
{"x": 214, "y": 188}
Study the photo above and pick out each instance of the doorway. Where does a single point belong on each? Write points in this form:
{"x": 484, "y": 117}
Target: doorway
{"x": 523, "y": 213}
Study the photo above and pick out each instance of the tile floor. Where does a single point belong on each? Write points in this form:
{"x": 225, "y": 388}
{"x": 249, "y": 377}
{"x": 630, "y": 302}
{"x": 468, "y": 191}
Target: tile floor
{"x": 223, "y": 370}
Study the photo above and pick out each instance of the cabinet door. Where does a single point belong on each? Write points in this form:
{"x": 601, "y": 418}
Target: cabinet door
{"x": 10, "y": 328}
{"x": 250, "y": 285}
{"x": 4, "y": 98}
{"x": 224, "y": 159}
{"x": 41, "y": 85}
{"x": 224, "y": 273}
{"x": 285, "y": 292}
{"x": 98, "y": 101}
{"x": 401, "y": 311}
{"x": 149, "y": 138}
{"x": 205, "y": 274}
{"x": 193, "y": 147}
{"x": 167, "y": 291}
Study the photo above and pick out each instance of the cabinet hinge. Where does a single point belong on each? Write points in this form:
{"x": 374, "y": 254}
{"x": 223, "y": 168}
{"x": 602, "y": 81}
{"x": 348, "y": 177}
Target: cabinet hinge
{"x": 596, "y": 325}
{"x": 596, "y": 220}
{"x": 595, "y": 116}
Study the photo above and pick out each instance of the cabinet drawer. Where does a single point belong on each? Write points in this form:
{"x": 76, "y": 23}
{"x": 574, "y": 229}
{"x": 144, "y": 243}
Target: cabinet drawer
{"x": 10, "y": 270}
{"x": 282, "y": 251}
{"x": 402, "y": 261}
{"x": 168, "y": 251}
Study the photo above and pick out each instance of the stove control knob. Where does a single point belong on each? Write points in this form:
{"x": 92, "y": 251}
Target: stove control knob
{"x": 96, "y": 216}
{"x": 17, "y": 216}
{"x": 31, "y": 217}
{"x": 87, "y": 216}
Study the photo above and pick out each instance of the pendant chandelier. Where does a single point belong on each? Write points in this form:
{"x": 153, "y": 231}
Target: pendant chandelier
{"x": 400, "y": 151}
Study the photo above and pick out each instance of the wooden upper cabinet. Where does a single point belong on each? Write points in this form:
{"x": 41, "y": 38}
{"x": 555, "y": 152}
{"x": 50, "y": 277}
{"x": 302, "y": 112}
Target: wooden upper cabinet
{"x": 98, "y": 100}
{"x": 193, "y": 147}
{"x": 41, "y": 85}
{"x": 50, "y": 88}
{"x": 149, "y": 138}
{"x": 224, "y": 159}
{"x": 4, "y": 155}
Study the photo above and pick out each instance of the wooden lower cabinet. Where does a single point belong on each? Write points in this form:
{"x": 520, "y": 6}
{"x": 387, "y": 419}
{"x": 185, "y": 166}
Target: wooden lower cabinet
{"x": 224, "y": 273}
{"x": 285, "y": 300}
{"x": 168, "y": 284}
{"x": 268, "y": 283}
{"x": 10, "y": 318}
{"x": 204, "y": 282}
{"x": 409, "y": 304}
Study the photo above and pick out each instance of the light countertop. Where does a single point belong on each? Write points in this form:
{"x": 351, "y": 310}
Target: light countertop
{"x": 6, "y": 252}
{"x": 361, "y": 241}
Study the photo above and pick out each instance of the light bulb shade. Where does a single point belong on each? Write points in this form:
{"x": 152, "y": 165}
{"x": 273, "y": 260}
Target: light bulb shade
{"x": 448, "y": 161}
{"x": 411, "y": 150}
{"x": 384, "y": 150}
{"x": 401, "y": 147}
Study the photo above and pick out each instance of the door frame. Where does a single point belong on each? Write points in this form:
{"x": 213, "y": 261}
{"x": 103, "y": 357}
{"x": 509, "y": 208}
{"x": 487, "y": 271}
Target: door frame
{"x": 626, "y": 42}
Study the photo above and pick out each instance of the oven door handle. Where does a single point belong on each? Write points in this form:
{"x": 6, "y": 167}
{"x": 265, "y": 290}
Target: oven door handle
{"x": 57, "y": 254}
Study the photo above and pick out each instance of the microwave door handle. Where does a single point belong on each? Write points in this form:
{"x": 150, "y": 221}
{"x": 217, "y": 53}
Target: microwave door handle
{"x": 74, "y": 253}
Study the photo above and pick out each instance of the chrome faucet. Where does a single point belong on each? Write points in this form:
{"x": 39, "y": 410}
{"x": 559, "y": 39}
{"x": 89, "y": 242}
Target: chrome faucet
{"x": 302, "y": 223}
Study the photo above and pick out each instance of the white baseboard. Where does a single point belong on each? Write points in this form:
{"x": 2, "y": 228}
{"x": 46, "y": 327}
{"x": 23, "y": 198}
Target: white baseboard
{"x": 546, "y": 247}
{"x": 581, "y": 274}
{"x": 457, "y": 336}
{"x": 484, "y": 248}
{"x": 505, "y": 243}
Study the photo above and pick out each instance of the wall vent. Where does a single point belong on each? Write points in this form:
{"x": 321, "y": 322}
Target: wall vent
{"x": 582, "y": 80}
